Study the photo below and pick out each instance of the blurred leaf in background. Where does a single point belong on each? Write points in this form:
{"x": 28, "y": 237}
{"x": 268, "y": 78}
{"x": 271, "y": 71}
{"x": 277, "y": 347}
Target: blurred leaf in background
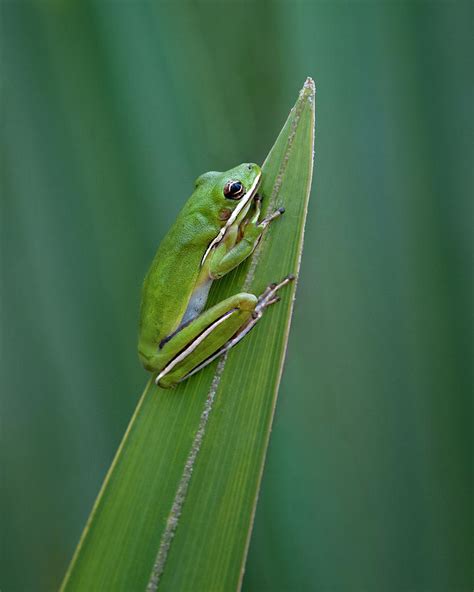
{"x": 109, "y": 112}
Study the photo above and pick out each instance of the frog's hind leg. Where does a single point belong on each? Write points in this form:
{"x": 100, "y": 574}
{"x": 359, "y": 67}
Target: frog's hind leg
{"x": 268, "y": 297}
{"x": 195, "y": 341}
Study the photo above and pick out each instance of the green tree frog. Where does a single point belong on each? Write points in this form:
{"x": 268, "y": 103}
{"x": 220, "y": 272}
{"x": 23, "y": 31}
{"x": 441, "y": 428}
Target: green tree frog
{"x": 217, "y": 229}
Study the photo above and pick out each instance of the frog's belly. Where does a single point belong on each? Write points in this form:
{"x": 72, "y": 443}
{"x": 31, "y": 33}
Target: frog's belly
{"x": 197, "y": 302}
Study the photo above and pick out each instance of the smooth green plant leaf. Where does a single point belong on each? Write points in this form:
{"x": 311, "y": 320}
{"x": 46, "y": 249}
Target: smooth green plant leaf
{"x": 176, "y": 509}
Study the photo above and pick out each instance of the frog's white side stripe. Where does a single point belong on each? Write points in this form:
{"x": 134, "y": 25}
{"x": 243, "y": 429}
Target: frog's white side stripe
{"x": 233, "y": 217}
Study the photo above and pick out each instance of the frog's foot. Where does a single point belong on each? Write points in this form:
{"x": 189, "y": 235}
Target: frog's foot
{"x": 258, "y": 208}
{"x": 276, "y": 214}
{"x": 267, "y": 298}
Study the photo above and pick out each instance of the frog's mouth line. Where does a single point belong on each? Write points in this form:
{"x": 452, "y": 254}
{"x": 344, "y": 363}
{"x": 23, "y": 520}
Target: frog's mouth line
{"x": 245, "y": 200}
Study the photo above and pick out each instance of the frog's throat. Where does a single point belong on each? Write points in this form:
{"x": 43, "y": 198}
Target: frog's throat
{"x": 233, "y": 217}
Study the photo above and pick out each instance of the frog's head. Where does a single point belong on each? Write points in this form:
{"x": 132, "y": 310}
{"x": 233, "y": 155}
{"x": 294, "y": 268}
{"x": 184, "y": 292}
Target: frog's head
{"x": 231, "y": 194}
{"x": 231, "y": 190}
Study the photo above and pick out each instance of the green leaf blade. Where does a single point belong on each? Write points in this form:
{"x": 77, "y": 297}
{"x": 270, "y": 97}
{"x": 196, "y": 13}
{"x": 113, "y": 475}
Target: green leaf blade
{"x": 176, "y": 509}
{"x": 212, "y": 539}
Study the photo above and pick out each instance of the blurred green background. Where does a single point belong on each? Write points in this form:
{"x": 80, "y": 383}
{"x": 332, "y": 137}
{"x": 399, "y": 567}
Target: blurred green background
{"x": 109, "y": 112}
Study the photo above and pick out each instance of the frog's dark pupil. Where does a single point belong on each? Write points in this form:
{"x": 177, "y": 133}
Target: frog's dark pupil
{"x": 234, "y": 189}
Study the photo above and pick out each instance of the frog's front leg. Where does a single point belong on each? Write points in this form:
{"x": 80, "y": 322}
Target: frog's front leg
{"x": 233, "y": 250}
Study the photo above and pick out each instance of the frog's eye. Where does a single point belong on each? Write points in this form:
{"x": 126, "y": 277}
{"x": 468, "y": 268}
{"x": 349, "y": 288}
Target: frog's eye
{"x": 234, "y": 190}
